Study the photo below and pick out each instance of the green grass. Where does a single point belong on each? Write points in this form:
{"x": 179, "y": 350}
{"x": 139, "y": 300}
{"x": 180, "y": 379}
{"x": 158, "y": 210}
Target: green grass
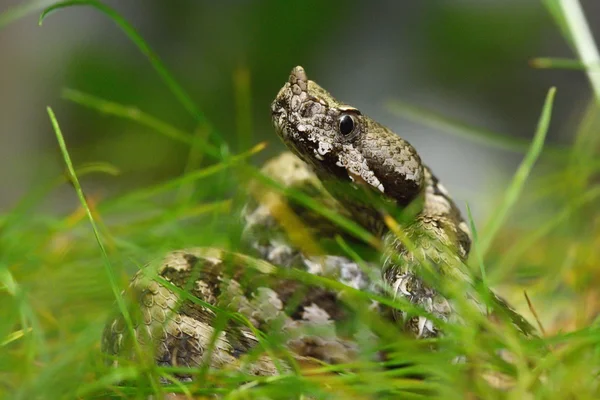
{"x": 61, "y": 276}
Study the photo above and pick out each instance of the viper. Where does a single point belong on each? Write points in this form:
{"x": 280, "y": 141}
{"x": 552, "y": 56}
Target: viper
{"x": 208, "y": 306}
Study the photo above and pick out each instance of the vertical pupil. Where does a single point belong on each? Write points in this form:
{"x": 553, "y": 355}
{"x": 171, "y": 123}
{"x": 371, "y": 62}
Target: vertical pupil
{"x": 346, "y": 125}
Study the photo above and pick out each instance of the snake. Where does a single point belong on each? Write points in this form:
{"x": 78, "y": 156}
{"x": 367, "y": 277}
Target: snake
{"x": 209, "y": 307}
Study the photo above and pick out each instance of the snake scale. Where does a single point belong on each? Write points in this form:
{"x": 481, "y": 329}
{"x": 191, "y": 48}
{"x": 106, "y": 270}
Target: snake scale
{"x": 206, "y": 306}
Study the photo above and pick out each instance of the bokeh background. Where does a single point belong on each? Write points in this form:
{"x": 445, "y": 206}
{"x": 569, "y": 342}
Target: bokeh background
{"x": 465, "y": 59}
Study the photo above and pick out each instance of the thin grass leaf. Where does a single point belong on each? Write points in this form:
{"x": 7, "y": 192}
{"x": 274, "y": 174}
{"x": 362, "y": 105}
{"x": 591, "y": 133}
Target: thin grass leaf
{"x": 554, "y": 8}
{"x": 97, "y": 167}
{"x": 585, "y": 150}
{"x": 455, "y": 285}
{"x": 22, "y": 10}
{"x": 221, "y": 313}
{"x": 155, "y": 61}
{"x": 333, "y": 285}
{"x": 34, "y": 344}
{"x": 516, "y": 186}
{"x": 243, "y": 107}
{"x": 476, "y": 246}
{"x": 9, "y": 284}
{"x": 560, "y": 63}
{"x": 583, "y": 40}
{"x": 534, "y": 313}
{"x": 14, "y": 336}
{"x": 348, "y": 225}
{"x": 373, "y": 274}
{"x": 127, "y": 112}
{"x": 135, "y": 114}
{"x": 506, "y": 265}
{"x": 471, "y": 133}
{"x": 194, "y": 159}
{"x": 63, "y": 364}
{"x": 474, "y": 134}
{"x": 116, "y": 376}
{"x": 145, "y": 193}
{"x": 177, "y": 383}
{"x": 21, "y": 211}
{"x": 336, "y": 286}
{"x": 179, "y": 213}
{"x": 106, "y": 262}
{"x": 556, "y": 357}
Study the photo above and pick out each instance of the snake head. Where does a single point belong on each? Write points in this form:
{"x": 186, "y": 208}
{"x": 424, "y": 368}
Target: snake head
{"x": 342, "y": 144}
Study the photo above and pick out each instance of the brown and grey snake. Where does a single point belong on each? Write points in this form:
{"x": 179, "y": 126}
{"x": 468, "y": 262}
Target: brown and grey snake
{"x": 207, "y": 306}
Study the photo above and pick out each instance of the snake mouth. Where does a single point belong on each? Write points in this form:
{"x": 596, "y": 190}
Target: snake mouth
{"x": 278, "y": 118}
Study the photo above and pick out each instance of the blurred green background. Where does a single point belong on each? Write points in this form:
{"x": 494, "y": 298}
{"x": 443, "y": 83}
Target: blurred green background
{"x": 465, "y": 59}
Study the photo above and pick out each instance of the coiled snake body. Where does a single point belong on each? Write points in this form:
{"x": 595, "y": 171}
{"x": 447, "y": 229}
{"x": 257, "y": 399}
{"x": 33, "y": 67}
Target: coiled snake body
{"x": 201, "y": 306}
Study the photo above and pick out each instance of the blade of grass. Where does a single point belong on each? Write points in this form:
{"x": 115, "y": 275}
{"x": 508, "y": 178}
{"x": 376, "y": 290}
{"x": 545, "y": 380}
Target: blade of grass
{"x": 114, "y": 377}
{"x": 350, "y": 226}
{"x": 8, "y": 282}
{"x": 560, "y": 63}
{"x": 222, "y": 312}
{"x": 534, "y": 313}
{"x": 179, "y": 213}
{"x": 194, "y": 159}
{"x": 584, "y": 156}
{"x": 10, "y": 227}
{"x": 475, "y": 246}
{"x": 507, "y": 263}
{"x": 192, "y": 176}
{"x": 513, "y": 193}
{"x": 243, "y": 107}
{"x": 135, "y": 114}
{"x": 33, "y": 198}
{"x": 553, "y": 7}
{"x": 62, "y": 363}
{"x": 198, "y": 141}
{"x": 329, "y": 283}
{"x": 22, "y": 209}
{"x": 583, "y": 40}
{"x": 455, "y": 285}
{"x": 516, "y": 186}
{"x": 474, "y": 134}
{"x": 22, "y": 10}
{"x": 106, "y": 261}
{"x": 97, "y": 167}
{"x": 373, "y": 273}
{"x": 176, "y": 382}
{"x": 16, "y": 335}
{"x": 34, "y": 343}
{"x": 155, "y": 61}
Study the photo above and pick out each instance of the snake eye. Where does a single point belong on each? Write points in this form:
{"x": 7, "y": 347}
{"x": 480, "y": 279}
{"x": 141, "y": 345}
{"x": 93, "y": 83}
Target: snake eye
{"x": 346, "y": 124}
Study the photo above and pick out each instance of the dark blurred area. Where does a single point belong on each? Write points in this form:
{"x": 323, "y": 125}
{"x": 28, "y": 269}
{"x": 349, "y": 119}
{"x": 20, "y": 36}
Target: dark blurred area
{"x": 465, "y": 59}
